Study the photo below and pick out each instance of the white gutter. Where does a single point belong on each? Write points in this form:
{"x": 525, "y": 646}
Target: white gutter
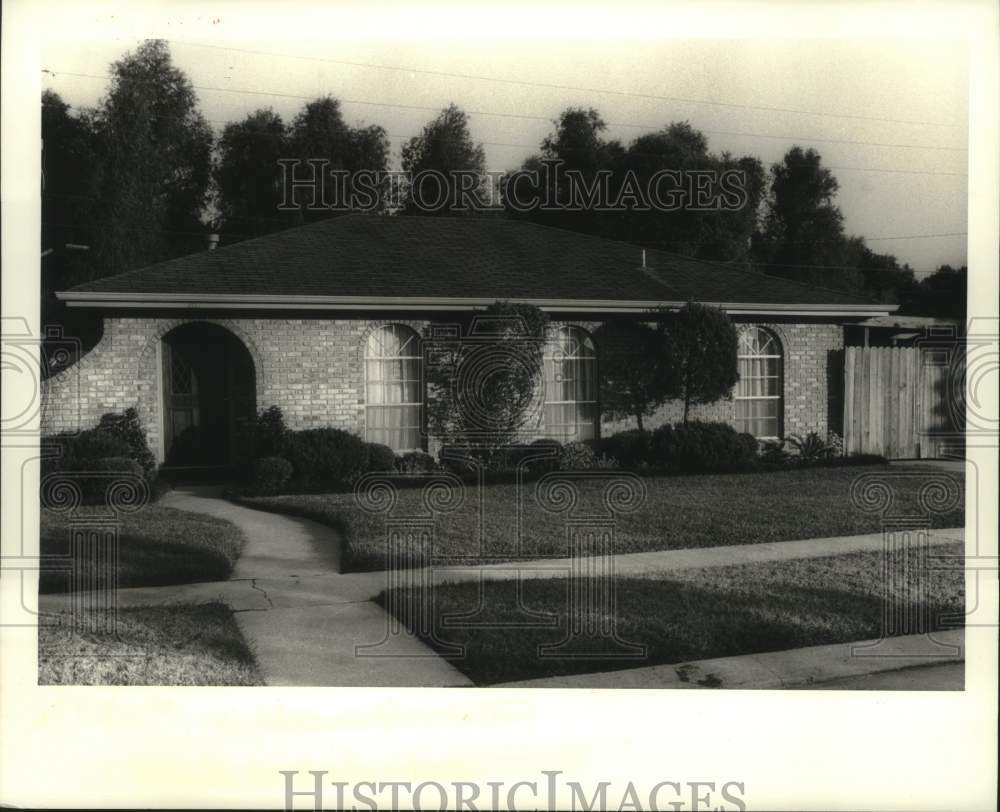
{"x": 228, "y": 301}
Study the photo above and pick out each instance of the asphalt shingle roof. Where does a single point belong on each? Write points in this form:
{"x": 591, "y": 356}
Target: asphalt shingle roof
{"x": 461, "y": 257}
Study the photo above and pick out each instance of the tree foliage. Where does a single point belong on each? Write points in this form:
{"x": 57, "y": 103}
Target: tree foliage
{"x": 247, "y": 175}
{"x": 803, "y": 238}
{"x": 484, "y": 392}
{"x": 634, "y": 372}
{"x": 155, "y": 151}
{"x": 444, "y": 146}
{"x": 702, "y": 344}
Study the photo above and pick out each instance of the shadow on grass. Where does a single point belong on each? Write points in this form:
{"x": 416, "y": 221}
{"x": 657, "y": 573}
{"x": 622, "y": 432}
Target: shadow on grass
{"x": 157, "y": 546}
{"x": 695, "y": 616}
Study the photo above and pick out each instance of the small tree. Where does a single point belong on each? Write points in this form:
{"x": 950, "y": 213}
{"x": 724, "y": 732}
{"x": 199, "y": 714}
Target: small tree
{"x": 702, "y": 345}
{"x": 483, "y": 395}
{"x": 634, "y": 370}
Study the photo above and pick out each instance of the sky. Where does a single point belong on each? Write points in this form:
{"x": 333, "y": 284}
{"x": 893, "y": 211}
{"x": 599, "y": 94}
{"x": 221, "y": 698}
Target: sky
{"x": 888, "y": 117}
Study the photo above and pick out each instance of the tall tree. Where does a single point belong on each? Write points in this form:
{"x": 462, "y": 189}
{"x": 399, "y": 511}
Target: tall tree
{"x": 803, "y": 230}
{"x": 319, "y": 133}
{"x": 445, "y": 165}
{"x": 248, "y": 176}
{"x": 606, "y": 189}
{"x": 942, "y": 293}
{"x": 70, "y": 177}
{"x": 70, "y": 181}
{"x": 720, "y": 230}
{"x": 155, "y": 148}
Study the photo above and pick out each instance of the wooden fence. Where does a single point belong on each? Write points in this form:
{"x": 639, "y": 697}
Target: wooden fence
{"x": 900, "y": 401}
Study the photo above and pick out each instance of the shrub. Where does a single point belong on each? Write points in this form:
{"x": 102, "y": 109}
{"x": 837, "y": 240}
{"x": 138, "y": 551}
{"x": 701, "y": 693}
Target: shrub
{"x": 416, "y": 462}
{"x": 859, "y": 459}
{"x": 271, "y": 474}
{"x": 579, "y": 456}
{"x": 546, "y": 463}
{"x": 632, "y": 449}
{"x": 270, "y": 432}
{"x": 811, "y": 447}
{"x": 96, "y": 444}
{"x": 79, "y": 451}
{"x": 379, "y": 457}
{"x": 325, "y": 456}
{"x": 773, "y": 452}
{"x": 127, "y": 427}
{"x": 95, "y": 488}
{"x": 698, "y": 447}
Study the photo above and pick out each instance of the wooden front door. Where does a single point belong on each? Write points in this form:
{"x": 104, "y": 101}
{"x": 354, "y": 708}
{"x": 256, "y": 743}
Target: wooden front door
{"x": 181, "y": 404}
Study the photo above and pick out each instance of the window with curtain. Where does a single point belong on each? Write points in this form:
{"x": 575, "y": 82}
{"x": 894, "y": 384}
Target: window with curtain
{"x": 759, "y": 399}
{"x": 393, "y": 396}
{"x": 571, "y": 408}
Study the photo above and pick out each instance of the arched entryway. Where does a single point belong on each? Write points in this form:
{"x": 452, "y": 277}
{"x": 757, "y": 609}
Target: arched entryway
{"x": 209, "y": 396}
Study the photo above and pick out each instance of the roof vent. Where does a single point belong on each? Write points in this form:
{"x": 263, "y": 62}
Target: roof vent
{"x": 213, "y": 242}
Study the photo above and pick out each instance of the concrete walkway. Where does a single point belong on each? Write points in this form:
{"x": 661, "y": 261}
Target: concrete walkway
{"x": 660, "y": 562}
{"x": 831, "y": 667}
{"x": 308, "y": 624}
{"x": 311, "y": 625}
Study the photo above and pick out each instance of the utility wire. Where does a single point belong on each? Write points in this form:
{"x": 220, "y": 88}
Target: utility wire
{"x": 553, "y": 86}
{"x": 529, "y": 117}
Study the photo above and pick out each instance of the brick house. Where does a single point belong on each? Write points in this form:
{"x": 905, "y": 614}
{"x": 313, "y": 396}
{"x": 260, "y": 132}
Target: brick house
{"x": 325, "y": 321}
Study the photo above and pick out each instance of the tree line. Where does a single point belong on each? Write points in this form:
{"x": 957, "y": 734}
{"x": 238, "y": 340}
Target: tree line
{"x": 142, "y": 178}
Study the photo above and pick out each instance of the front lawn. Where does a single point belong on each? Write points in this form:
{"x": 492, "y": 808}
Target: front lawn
{"x": 161, "y": 645}
{"x": 691, "y": 615}
{"x": 157, "y": 546}
{"x": 680, "y": 512}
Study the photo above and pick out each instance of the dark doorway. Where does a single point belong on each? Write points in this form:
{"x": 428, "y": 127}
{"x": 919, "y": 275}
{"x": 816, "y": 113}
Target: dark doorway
{"x": 209, "y": 396}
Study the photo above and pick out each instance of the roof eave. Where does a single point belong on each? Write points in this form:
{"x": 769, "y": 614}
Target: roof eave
{"x": 228, "y": 301}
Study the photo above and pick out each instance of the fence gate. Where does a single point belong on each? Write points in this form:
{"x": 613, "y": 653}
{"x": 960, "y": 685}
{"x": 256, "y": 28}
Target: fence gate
{"x": 901, "y": 402}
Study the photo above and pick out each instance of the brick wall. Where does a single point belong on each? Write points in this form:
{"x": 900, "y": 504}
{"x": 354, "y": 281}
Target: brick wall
{"x": 808, "y": 350}
{"x": 313, "y": 369}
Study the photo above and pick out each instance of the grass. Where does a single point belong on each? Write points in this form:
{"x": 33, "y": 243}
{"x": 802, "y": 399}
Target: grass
{"x": 692, "y": 615}
{"x": 161, "y": 645}
{"x": 680, "y": 512}
{"x": 157, "y": 546}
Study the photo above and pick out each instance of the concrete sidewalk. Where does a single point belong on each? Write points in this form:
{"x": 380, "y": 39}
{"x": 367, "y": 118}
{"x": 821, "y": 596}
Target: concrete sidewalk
{"x": 666, "y": 561}
{"x": 837, "y": 666}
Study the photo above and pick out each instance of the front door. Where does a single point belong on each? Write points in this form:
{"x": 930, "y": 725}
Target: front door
{"x": 183, "y": 415}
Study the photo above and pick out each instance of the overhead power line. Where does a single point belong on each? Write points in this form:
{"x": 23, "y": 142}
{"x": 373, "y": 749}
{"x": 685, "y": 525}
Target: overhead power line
{"x": 553, "y": 86}
{"x": 529, "y": 117}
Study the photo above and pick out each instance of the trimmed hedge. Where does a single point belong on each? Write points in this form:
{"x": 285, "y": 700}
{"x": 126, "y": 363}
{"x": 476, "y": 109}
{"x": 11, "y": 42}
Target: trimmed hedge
{"x": 698, "y": 447}
{"x": 416, "y": 462}
{"x": 325, "y": 456}
{"x": 379, "y": 457}
{"x": 271, "y": 474}
{"x": 632, "y": 449}
{"x": 116, "y": 445}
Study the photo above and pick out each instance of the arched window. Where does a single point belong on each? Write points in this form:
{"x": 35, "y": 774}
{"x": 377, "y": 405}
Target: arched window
{"x": 759, "y": 393}
{"x": 571, "y": 408}
{"x": 393, "y": 396}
